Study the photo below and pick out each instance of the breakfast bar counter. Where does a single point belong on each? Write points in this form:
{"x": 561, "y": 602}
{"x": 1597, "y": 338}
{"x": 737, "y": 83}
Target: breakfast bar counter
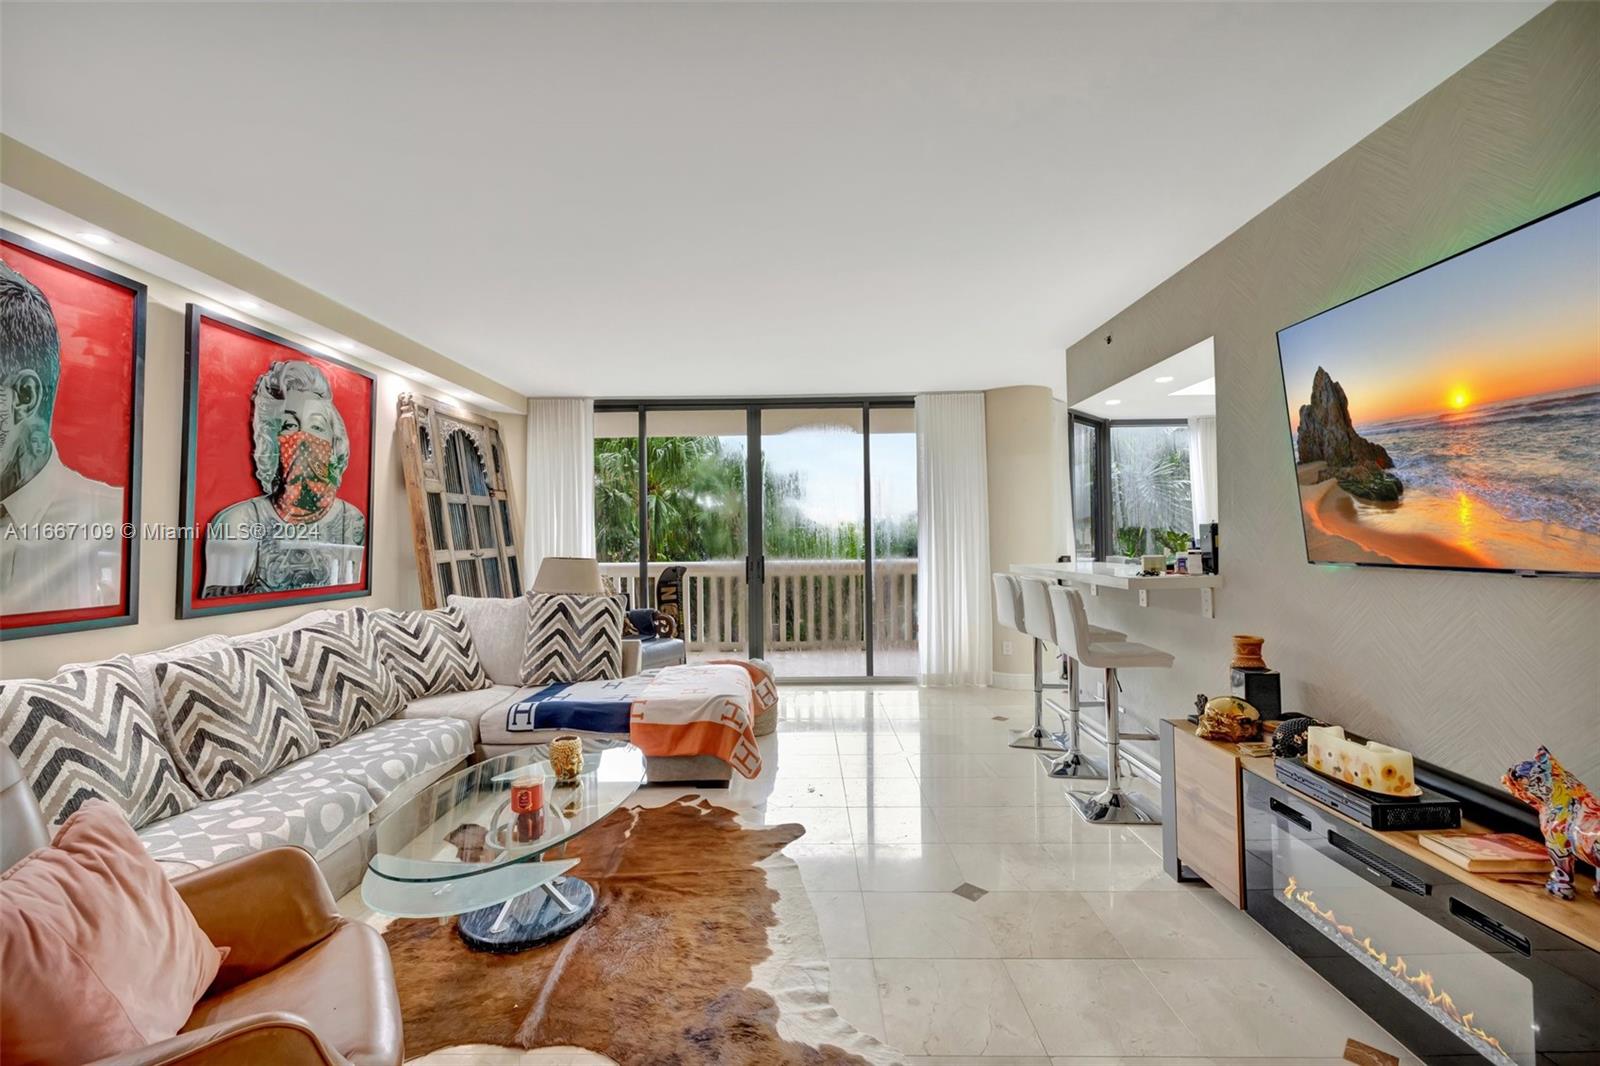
{"x": 1125, "y": 576}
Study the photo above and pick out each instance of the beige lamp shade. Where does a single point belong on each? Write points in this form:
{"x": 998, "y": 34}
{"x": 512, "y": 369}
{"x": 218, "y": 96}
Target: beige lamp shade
{"x": 565, "y": 574}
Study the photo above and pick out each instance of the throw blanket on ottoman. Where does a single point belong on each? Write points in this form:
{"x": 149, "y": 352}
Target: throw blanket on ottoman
{"x": 705, "y": 709}
{"x": 583, "y": 706}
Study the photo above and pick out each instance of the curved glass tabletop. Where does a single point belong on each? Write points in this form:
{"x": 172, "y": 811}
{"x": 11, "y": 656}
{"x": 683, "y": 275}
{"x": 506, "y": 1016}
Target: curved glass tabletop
{"x": 461, "y": 826}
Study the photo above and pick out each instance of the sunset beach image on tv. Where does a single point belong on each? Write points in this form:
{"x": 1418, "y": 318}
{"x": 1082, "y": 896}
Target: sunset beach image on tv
{"x": 1452, "y": 418}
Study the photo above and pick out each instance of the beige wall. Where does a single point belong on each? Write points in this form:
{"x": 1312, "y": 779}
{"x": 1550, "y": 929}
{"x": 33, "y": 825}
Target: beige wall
{"x": 394, "y": 574}
{"x": 1020, "y": 445}
{"x": 1469, "y": 670}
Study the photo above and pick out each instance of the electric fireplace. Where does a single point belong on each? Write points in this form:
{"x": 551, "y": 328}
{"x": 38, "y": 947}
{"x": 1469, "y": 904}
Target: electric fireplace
{"x": 1458, "y": 977}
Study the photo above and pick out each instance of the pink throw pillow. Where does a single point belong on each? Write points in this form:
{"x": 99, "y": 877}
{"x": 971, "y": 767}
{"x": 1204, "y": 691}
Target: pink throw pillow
{"x": 101, "y": 955}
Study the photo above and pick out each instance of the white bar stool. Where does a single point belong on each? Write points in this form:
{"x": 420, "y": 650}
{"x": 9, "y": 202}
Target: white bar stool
{"x": 1010, "y": 610}
{"x": 1111, "y": 805}
{"x": 1073, "y": 762}
{"x": 1039, "y": 622}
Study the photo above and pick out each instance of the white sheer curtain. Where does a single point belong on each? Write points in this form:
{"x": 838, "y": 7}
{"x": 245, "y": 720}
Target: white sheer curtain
{"x": 560, "y": 513}
{"x": 1203, "y": 470}
{"x": 952, "y": 541}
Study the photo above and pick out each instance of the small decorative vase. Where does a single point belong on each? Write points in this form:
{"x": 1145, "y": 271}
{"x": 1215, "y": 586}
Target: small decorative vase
{"x": 1247, "y": 653}
{"x": 566, "y": 759}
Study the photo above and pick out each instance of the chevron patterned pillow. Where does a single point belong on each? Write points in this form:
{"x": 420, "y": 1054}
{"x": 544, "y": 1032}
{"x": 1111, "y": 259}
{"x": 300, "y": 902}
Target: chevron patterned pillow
{"x": 430, "y": 652}
{"x": 341, "y": 680}
{"x": 572, "y": 637}
{"x": 87, "y": 734}
{"x": 233, "y": 717}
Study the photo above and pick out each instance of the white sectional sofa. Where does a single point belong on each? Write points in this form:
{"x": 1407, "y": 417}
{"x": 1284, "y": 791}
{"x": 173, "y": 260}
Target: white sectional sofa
{"x": 328, "y": 801}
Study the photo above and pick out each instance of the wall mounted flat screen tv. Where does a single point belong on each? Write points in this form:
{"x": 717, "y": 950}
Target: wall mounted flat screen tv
{"x": 1451, "y": 419}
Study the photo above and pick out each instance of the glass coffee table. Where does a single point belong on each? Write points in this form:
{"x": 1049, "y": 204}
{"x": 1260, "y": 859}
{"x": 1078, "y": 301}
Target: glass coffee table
{"x": 457, "y": 848}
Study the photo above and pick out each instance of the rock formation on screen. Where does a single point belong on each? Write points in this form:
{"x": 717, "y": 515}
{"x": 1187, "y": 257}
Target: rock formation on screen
{"x": 1326, "y": 432}
{"x": 1327, "y": 435}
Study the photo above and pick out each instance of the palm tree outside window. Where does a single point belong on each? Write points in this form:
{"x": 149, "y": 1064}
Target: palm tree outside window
{"x": 1150, "y": 488}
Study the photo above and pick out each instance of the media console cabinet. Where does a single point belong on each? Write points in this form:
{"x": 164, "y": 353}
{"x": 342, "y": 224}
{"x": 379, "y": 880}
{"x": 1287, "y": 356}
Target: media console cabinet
{"x": 1461, "y": 967}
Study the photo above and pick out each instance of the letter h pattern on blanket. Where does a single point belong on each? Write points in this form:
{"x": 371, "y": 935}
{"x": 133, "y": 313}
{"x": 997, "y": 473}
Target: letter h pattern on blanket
{"x": 705, "y": 709}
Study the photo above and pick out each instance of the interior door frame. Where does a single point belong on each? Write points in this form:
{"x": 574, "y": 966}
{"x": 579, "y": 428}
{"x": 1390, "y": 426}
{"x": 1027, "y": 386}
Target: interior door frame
{"x": 755, "y": 554}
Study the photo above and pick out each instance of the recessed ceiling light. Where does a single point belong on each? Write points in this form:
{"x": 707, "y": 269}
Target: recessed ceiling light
{"x": 99, "y": 240}
{"x": 1163, "y": 379}
{"x": 1112, "y": 403}
{"x": 249, "y": 305}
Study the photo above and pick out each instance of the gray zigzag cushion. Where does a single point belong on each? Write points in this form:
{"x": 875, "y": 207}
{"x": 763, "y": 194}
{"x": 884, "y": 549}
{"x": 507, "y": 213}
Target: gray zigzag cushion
{"x": 339, "y": 676}
{"x": 233, "y": 717}
{"x": 572, "y": 637}
{"x": 87, "y": 734}
{"x": 430, "y": 652}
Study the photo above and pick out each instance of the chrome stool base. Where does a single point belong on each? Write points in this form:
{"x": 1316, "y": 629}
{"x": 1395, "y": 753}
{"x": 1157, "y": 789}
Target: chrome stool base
{"x": 1036, "y": 739}
{"x": 1113, "y": 806}
{"x": 1074, "y": 764}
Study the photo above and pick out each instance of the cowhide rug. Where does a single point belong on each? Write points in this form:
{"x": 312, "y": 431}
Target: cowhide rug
{"x": 662, "y": 973}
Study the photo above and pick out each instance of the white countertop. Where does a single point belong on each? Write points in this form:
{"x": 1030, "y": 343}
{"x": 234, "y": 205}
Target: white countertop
{"x": 1124, "y": 576}
{"x": 1115, "y": 575}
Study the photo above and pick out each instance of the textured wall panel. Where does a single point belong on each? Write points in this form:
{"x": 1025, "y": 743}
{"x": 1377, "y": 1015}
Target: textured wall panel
{"x": 1469, "y": 670}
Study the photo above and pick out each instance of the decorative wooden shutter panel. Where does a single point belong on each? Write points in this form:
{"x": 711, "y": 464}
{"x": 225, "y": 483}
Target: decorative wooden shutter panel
{"x": 463, "y": 522}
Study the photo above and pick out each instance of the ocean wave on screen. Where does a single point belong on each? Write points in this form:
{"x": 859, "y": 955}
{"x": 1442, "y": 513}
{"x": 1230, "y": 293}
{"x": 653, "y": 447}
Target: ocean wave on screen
{"x": 1582, "y": 402}
{"x": 1537, "y": 460}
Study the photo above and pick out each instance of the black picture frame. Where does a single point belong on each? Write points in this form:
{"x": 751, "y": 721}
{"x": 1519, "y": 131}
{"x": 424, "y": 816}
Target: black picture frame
{"x": 130, "y": 615}
{"x": 194, "y": 316}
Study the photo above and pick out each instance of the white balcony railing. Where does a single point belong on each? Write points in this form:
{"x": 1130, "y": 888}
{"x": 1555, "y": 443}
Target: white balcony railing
{"x": 811, "y": 603}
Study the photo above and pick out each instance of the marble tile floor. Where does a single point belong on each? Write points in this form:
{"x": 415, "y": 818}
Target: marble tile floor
{"x": 1067, "y": 944}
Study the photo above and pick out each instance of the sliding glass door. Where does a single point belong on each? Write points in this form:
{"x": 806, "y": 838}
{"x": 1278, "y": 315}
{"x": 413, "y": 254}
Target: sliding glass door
{"x": 789, "y": 528}
{"x": 892, "y": 451}
{"x": 616, "y": 501}
{"x": 813, "y": 537}
{"x": 695, "y": 471}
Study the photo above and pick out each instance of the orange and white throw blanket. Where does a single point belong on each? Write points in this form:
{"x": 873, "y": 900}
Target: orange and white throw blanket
{"x": 704, "y": 709}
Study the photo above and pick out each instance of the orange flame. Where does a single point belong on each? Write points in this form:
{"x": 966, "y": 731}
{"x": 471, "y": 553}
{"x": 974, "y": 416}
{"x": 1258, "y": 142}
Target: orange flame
{"x": 1422, "y": 982}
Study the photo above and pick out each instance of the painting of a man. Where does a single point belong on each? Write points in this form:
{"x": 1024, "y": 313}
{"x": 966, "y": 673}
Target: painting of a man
{"x": 61, "y": 539}
{"x": 298, "y": 534}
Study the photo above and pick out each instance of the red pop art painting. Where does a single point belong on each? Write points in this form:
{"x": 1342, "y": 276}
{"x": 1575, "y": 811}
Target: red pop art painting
{"x": 71, "y": 375}
{"x": 277, "y": 480}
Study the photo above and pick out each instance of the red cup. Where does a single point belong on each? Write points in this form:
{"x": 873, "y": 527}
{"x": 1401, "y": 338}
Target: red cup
{"x": 527, "y": 804}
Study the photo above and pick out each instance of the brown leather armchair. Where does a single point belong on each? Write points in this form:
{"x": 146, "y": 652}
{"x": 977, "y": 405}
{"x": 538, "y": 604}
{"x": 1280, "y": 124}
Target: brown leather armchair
{"x": 300, "y": 984}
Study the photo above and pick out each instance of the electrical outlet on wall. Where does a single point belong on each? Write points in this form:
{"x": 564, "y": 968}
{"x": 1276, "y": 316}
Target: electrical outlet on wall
{"x": 1005, "y": 647}
{"x": 1100, "y": 690}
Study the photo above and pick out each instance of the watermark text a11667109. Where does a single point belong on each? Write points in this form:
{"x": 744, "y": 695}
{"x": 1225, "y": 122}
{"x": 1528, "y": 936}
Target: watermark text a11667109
{"x": 104, "y": 531}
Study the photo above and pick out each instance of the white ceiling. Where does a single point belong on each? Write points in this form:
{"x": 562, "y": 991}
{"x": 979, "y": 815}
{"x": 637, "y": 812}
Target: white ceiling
{"x": 1154, "y": 392}
{"x": 660, "y": 200}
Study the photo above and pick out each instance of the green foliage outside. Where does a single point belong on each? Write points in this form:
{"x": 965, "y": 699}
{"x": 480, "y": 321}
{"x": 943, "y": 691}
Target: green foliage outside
{"x": 697, "y": 507}
{"x": 1174, "y": 541}
{"x": 1150, "y": 486}
{"x": 1130, "y": 540}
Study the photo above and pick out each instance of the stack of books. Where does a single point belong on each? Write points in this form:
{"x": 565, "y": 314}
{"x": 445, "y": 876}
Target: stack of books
{"x": 1488, "y": 853}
